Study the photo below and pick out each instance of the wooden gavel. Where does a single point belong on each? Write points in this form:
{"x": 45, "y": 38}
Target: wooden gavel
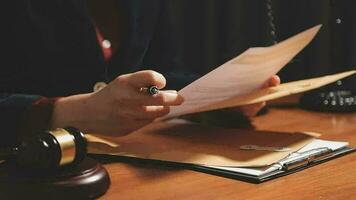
{"x": 49, "y": 150}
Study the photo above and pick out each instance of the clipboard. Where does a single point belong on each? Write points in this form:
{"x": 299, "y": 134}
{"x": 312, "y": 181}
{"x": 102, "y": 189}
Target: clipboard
{"x": 226, "y": 173}
{"x": 286, "y": 169}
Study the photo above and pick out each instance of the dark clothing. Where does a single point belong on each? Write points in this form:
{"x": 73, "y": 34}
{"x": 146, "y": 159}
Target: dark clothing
{"x": 49, "y": 49}
{"x": 185, "y": 39}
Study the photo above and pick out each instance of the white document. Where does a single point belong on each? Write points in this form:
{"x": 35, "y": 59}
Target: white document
{"x": 241, "y": 75}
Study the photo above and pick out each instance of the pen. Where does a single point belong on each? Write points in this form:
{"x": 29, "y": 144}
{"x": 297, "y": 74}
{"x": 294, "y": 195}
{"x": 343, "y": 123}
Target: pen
{"x": 151, "y": 90}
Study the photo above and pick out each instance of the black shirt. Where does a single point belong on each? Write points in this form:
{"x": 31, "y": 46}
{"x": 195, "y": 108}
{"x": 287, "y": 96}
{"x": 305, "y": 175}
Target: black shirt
{"x": 48, "y": 48}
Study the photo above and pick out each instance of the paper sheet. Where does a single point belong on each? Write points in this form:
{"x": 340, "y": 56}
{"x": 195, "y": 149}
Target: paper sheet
{"x": 242, "y": 74}
{"x": 281, "y": 90}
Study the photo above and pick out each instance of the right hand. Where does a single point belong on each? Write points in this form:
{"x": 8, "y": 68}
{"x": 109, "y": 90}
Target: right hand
{"x": 117, "y": 109}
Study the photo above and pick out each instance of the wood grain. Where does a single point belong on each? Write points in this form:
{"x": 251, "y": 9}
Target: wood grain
{"x": 335, "y": 179}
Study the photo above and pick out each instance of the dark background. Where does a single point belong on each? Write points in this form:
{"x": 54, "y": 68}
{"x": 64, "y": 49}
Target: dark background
{"x": 184, "y": 38}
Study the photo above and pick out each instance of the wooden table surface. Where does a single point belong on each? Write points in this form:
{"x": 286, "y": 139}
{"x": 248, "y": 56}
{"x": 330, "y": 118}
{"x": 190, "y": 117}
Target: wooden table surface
{"x": 335, "y": 179}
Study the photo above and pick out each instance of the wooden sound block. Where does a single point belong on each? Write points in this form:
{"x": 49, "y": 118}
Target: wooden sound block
{"x": 88, "y": 180}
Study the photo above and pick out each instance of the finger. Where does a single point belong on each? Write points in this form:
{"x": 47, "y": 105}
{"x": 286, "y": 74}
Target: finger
{"x": 143, "y": 112}
{"x": 146, "y": 78}
{"x": 128, "y": 87}
{"x": 273, "y": 81}
{"x": 163, "y": 98}
{"x": 128, "y": 94}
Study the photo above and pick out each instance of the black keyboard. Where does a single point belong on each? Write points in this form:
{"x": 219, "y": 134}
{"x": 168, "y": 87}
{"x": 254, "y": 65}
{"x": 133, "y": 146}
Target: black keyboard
{"x": 337, "y": 97}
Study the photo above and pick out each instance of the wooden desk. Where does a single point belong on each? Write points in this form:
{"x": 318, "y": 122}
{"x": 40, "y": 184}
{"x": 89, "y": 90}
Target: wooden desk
{"x": 335, "y": 179}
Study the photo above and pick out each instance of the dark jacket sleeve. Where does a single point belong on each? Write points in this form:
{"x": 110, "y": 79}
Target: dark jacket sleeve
{"x": 48, "y": 49}
{"x": 13, "y": 108}
{"x": 22, "y": 116}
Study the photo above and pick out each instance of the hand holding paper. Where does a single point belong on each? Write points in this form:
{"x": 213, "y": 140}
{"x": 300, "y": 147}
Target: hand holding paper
{"x": 251, "y": 110}
{"x": 240, "y": 78}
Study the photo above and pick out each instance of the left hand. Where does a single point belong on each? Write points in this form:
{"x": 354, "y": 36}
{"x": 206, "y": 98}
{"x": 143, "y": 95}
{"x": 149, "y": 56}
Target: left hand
{"x": 252, "y": 109}
{"x": 237, "y": 117}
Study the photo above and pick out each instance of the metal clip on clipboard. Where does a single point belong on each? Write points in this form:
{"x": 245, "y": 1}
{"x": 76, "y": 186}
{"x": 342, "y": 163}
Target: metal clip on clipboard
{"x": 303, "y": 159}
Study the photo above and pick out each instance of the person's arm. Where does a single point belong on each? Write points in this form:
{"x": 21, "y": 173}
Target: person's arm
{"x": 117, "y": 109}
{"x": 22, "y": 114}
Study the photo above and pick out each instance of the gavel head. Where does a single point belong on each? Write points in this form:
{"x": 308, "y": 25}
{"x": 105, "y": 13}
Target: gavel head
{"x": 53, "y": 149}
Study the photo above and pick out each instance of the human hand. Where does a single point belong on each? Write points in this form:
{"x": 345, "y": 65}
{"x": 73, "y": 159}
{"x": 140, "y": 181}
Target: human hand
{"x": 119, "y": 108}
{"x": 252, "y": 109}
{"x": 237, "y": 117}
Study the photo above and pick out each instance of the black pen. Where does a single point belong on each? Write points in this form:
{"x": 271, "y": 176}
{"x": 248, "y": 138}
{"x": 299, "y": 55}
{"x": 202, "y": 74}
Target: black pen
{"x": 151, "y": 90}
